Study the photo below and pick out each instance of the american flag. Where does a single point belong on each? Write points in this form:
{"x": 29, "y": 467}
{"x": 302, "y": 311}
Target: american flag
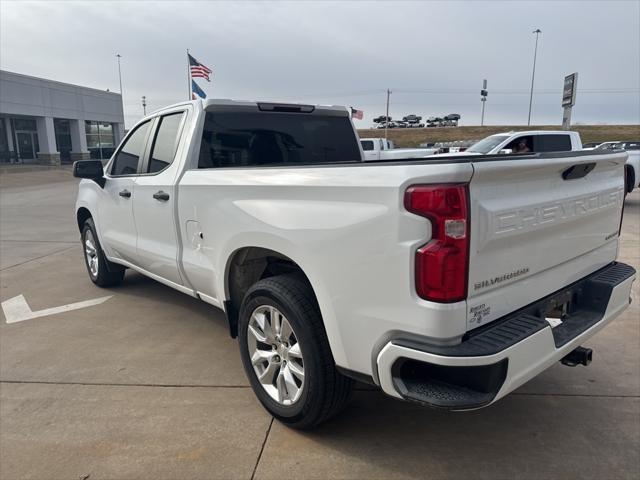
{"x": 198, "y": 70}
{"x": 357, "y": 114}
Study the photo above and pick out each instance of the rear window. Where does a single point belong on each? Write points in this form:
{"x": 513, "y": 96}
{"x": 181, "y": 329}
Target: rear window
{"x": 245, "y": 139}
{"x": 552, "y": 143}
{"x": 366, "y": 145}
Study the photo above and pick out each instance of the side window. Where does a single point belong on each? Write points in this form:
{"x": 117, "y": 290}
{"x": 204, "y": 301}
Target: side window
{"x": 166, "y": 142}
{"x": 522, "y": 144}
{"x": 552, "y": 143}
{"x": 367, "y": 145}
{"x": 126, "y": 160}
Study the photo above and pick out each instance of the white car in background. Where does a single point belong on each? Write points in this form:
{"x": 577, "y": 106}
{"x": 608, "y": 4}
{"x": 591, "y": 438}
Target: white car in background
{"x": 633, "y": 161}
{"x": 537, "y": 141}
{"x": 376, "y": 149}
{"x": 540, "y": 141}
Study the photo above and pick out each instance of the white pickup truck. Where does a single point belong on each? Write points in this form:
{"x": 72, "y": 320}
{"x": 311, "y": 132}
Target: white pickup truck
{"x": 375, "y": 149}
{"x": 448, "y": 282}
{"x": 539, "y": 141}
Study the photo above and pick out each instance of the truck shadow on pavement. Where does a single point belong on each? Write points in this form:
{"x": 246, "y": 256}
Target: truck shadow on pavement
{"x": 522, "y": 436}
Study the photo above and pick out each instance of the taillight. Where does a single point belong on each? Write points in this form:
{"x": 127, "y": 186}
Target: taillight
{"x": 442, "y": 264}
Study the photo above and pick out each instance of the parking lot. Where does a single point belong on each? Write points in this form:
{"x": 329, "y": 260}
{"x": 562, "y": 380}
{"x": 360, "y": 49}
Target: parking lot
{"x": 148, "y": 384}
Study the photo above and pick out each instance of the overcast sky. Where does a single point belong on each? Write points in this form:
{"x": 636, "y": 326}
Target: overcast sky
{"x": 432, "y": 55}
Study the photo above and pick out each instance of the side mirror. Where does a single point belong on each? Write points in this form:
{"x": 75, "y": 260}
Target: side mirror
{"x": 90, "y": 169}
{"x": 505, "y": 151}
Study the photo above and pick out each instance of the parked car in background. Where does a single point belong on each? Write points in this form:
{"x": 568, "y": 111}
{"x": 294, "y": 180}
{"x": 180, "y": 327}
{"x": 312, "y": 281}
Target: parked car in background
{"x": 536, "y": 141}
{"x": 602, "y": 145}
{"x": 375, "y": 149}
{"x": 412, "y": 118}
{"x": 413, "y": 121}
{"x": 381, "y": 119}
{"x": 632, "y": 147}
{"x": 633, "y": 163}
{"x": 450, "y": 120}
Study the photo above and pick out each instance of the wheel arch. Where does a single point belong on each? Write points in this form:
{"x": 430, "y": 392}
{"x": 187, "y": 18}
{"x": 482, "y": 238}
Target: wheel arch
{"x": 247, "y": 265}
{"x": 82, "y": 215}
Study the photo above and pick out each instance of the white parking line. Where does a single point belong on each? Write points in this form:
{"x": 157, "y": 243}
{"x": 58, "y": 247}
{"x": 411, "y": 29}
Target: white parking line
{"x": 17, "y": 309}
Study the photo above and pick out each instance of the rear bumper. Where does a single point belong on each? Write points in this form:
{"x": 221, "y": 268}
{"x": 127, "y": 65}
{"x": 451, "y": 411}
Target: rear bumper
{"x": 494, "y": 360}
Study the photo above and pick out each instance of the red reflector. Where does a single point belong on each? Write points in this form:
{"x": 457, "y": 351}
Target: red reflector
{"x": 442, "y": 264}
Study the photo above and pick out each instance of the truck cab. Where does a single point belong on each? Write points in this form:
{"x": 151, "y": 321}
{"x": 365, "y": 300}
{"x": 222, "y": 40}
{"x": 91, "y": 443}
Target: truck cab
{"x": 373, "y": 146}
{"x": 535, "y": 141}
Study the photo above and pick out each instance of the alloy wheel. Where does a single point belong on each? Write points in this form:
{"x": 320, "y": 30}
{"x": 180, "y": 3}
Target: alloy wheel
{"x": 275, "y": 354}
{"x": 91, "y": 253}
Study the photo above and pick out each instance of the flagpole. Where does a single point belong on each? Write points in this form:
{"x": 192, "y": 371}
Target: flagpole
{"x": 189, "y": 74}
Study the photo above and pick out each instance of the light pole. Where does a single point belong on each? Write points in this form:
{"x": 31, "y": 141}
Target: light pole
{"x": 144, "y": 106}
{"x": 119, "y": 72}
{"x": 386, "y": 120}
{"x": 537, "y": 31}
{"x": 483, "y": 99}
{"x": 120, "y": 79}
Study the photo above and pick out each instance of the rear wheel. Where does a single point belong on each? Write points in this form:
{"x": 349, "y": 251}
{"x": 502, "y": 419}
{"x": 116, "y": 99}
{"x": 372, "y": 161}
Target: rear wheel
{"x": 286, "y": 354}
{"x": 101, "y": 271}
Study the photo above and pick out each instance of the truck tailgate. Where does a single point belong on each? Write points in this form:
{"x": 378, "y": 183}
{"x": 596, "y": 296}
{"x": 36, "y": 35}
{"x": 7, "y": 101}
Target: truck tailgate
{"x": 537, "y": 225}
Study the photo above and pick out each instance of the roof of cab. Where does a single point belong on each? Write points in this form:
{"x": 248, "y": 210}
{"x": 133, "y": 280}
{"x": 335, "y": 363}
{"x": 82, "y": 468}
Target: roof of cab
{"x": 227, "y": 104}
{"x": 536, "y": 132}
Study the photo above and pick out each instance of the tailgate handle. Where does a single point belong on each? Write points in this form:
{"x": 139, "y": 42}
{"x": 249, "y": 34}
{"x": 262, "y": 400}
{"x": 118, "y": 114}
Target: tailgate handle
{"x": 578, "y": 171}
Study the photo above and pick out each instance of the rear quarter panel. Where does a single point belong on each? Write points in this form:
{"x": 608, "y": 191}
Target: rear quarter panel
{"x": 347, "y": 229}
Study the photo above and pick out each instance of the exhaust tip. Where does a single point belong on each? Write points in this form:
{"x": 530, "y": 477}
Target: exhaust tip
{"x": 579, "y": 356}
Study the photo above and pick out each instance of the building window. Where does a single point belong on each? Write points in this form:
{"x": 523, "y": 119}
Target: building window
{"x": 63, "y": 139}
{"x": 100, "y": 139}
{"x": 25, "y": 124}
{"x": 5, "y": 155}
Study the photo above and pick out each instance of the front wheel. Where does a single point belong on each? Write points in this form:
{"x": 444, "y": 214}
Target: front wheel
{"x": 101, "y": 271}
{"x": 286, "y": 354}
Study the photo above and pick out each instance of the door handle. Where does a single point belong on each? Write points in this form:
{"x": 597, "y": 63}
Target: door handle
{"x": 125, "y": 193}
{"x": 161, "y": 196}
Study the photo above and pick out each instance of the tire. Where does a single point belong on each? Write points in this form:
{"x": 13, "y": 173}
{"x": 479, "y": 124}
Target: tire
{"x": 101, "y": 271}
{"x": 631, "y": 178}
{"x": 323, "y": 392}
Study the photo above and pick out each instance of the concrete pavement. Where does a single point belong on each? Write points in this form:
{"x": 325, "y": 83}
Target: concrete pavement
{"x": 149, "y": 385}
{"x": 35, "y": 219}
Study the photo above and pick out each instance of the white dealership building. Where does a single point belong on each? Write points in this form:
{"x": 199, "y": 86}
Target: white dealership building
{"x": 47, "y": 122}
